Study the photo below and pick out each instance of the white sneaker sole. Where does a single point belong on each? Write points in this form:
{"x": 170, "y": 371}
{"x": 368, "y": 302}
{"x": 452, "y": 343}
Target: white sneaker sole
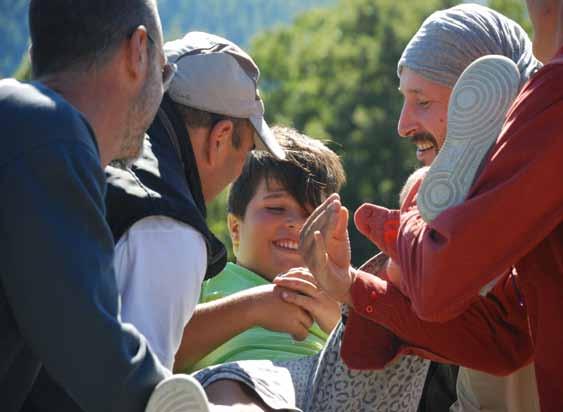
{"x": 179, "y": 393}
{"x": 476, "y": 112}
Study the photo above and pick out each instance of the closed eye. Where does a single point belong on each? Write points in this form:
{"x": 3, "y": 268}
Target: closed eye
{"x": 275, "y": 209}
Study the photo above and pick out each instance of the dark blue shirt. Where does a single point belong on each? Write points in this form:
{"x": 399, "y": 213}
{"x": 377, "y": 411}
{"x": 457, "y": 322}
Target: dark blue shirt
{"x": 58, "y": 297}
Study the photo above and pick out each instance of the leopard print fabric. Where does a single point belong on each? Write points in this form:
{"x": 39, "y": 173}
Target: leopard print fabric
{"x": 323, "y": 383}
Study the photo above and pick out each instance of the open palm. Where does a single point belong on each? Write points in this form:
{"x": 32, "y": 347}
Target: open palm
{"x": 325, "y": 247}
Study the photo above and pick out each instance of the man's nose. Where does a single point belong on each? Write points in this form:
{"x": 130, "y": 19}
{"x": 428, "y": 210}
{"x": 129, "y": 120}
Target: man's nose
{"x": 407, "y": 125}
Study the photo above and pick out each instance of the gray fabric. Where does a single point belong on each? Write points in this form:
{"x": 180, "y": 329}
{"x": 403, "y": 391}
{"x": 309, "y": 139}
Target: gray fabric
{"x": 323, "y": 383}
{"x": 215, "y": 75}
{"x": 449, "y": 40}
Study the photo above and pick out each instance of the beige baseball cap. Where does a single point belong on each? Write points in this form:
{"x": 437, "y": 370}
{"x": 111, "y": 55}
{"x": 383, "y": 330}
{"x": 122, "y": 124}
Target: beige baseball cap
{"x": 215, "y": 75}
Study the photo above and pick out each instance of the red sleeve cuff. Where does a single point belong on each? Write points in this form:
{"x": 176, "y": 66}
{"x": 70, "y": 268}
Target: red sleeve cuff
{"x": 366, "y": 344}
{"x": 365, "y": 291}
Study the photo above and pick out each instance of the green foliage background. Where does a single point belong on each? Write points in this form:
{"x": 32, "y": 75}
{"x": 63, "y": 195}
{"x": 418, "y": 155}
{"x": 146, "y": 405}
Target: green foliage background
{"x": 330, "y": 73}
{"x": 13, "y": 34}
{"x": 333, "y": 75}
{"x": 238, "y": 20}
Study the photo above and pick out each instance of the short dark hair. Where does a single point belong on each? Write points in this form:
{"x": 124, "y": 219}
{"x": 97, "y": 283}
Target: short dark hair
{"x": 200, "y": 118}
{"x": 82, "y": 33}
{"x": 310, "y": 171}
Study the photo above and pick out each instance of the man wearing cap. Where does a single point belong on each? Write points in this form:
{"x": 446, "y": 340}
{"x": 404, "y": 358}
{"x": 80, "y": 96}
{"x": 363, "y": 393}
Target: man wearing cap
{"x": 210, "y": 118}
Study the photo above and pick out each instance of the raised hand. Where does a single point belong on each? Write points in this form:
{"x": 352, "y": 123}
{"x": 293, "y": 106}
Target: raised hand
{"x": 325, "y": 247}
{"x": 305, "y": 293}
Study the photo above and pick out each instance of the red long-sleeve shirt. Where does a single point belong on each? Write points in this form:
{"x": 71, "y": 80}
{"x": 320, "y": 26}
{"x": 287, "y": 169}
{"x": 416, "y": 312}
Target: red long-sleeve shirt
{"x": 491, "y": 335}
{"x": 512, "y": 217}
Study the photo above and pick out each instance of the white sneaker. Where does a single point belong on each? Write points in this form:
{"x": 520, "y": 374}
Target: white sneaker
{"x": 178, "y": 393}
{"x": 480, "y": 99}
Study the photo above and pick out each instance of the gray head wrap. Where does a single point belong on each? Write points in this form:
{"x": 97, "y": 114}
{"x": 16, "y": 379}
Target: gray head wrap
{"x": 449, "y": 40}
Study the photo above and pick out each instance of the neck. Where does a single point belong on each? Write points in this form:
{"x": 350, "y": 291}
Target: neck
{"x": 96, "y": 95}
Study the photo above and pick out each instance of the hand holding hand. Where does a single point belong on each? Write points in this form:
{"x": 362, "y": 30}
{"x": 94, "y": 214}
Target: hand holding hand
{"x": 273, "y": 313}
{"x": 305, "y": 293}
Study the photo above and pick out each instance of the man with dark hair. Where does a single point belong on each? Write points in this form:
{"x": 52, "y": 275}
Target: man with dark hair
{"x": 100, "y": 74}
{"x": 209, "y": 119}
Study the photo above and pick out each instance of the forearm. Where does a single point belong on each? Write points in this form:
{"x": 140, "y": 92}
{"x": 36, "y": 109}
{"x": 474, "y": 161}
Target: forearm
{"x": 213, "y": 324}
{"x": 494, "y": 228}
{"x": 491, "y": 335}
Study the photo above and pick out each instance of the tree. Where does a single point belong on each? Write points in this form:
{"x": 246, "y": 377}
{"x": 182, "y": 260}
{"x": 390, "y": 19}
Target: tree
{"x": 13, "y": 34}
{"x": 237, "y": 20}
{"x": 333, "y": 75}
{"x": 516, "y": 10}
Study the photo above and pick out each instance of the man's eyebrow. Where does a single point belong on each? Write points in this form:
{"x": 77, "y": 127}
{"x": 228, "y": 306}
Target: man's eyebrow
{"x": 410, "y": 90}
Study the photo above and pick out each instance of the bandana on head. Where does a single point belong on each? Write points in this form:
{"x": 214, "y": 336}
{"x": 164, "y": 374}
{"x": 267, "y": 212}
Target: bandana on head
{"x": 449, "y": 40}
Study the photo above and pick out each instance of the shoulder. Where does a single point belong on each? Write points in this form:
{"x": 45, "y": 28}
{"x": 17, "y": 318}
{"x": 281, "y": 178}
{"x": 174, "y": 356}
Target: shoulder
{"x": 37, "y": 115}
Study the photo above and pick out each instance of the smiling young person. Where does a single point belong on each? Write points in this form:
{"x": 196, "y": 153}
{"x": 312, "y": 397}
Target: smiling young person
{"x": 267, "y": 207}
{"x": 270, "y": 370}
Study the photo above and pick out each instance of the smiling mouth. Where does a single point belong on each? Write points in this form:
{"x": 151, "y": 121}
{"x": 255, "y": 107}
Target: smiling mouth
{"x": 424, "y": 146}
{"x": 424, "y": 142}
{"x": 290, "y": 245}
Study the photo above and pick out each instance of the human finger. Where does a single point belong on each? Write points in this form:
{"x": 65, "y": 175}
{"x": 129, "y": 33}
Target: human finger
{"x": 306, "y": 233}
{"x": 303, "y": 323}
{"x": 325, "y": 223}
{"x": 320, "y": 209}
{"x": 341, "y": 223}
{"x": 298, "y": 285}
{"x": 300, "y": 272}
{"x": 303, "y": 301}
{"x": 318, "y": 257}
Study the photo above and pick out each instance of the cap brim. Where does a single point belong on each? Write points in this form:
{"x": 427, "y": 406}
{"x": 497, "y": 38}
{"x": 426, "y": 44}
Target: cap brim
{"x": 265, "y": 139}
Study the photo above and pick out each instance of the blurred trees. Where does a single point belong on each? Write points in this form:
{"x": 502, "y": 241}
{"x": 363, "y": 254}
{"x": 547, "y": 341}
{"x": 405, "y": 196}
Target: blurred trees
{"x": 13, "y": 34}
{"x": 333, "y": 75}
{"x": 238, "y": 20}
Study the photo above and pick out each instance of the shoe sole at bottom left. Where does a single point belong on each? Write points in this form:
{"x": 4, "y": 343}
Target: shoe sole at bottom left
{"x": 179, "y": 393}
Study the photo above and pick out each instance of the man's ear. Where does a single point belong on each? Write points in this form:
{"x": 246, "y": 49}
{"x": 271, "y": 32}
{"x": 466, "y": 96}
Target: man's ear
{"x": 220, "y": 137}
{"x": 233, "y": 222}
{"x": 137, "y": 53}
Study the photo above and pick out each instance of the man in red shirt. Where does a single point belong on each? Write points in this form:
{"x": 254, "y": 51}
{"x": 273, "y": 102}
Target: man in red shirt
{"x": 512, "y": 217}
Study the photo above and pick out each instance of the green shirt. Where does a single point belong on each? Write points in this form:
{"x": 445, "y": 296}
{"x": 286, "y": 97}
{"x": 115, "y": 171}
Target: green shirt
{"x": 254, "y": 343}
